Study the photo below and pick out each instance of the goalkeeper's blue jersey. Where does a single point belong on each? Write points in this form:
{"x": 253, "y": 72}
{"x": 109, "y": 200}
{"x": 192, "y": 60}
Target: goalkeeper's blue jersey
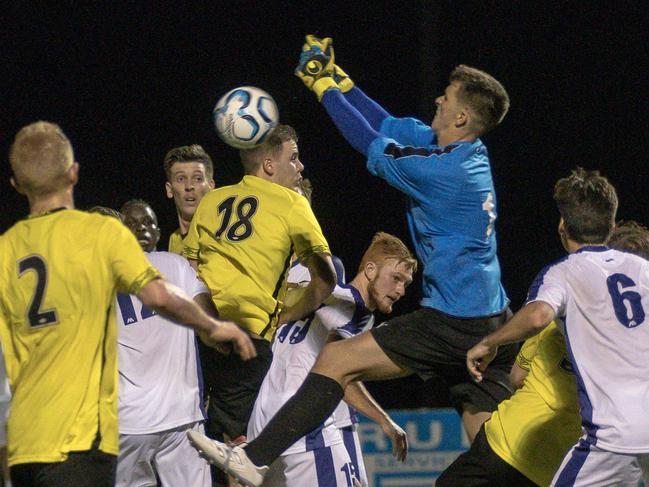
{"x": 451, "y": 214}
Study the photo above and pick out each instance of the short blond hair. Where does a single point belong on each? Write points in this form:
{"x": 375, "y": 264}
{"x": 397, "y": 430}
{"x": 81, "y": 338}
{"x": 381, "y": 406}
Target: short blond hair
{"x": 251, "y": 159}
{"x": 40, "y": 156}
{"x": 385, "y": 247}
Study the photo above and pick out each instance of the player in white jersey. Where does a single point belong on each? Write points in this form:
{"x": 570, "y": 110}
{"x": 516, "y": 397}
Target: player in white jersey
{"x": 345, "y": 416}
{"x": 600, "y": 295}
{"x": 5, "y": 400}
{"x": 321, "y": 459}
{"x": 160, "y": 390}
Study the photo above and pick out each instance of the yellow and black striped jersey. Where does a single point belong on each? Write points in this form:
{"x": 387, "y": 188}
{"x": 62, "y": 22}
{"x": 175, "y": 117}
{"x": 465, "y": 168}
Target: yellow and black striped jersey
{"x": 60, "y": 271}
{"x": 243, "y": 237}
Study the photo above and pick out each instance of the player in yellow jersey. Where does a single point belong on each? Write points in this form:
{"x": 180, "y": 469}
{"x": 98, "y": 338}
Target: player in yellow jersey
{"x": 528, "y": 435}
{"x": 189, "y": 173}
{"x": 242, "y": 238}
{"x": 59, "y": 270}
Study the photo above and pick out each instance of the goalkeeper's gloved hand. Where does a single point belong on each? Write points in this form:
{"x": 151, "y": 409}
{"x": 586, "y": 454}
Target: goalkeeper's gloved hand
{"x": 317, "y": 70}
{"x": 341, "y": 78}
{"x": 316, "y": 60}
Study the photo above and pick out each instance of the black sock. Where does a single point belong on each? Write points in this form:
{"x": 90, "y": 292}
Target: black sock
{"x": 314, "y": 401}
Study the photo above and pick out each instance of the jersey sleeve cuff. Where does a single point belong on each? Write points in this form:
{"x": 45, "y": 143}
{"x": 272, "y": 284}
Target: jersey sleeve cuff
{"x": 190, "y": 253}
{"x": 143, "y": 279}
{"x": 319, "y": 249}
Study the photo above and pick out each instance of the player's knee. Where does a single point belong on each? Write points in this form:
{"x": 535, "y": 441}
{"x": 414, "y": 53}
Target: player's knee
{"x": 331, "y": 360}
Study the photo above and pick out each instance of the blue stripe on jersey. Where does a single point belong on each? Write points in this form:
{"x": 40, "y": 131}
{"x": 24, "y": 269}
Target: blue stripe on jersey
{"x": 353, "y": 415}
{"x": 339, "y": 267}
{"x": 361, "y": 314}
{"x": 569, "y": 472}
{"x": 340, "y": 270}
{"x": 125, "y": 304}
{"x": 585, "y": 406}
{"x": 350, "y": 446}
{"x": 324, "y": 467}
{"x": 593, "y": 248}
{"x": 314, "y": 439}
{"x": 201, "y": 387}
{"x": 533, "y": 292}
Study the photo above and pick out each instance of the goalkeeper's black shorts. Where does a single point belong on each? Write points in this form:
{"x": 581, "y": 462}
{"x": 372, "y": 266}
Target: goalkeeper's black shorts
{"x": 434, "y": 345}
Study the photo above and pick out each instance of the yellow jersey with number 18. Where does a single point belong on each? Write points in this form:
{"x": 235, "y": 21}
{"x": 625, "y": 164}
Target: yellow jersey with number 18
{"x": 243, "y": 237}
{"x": 59, "y": 273}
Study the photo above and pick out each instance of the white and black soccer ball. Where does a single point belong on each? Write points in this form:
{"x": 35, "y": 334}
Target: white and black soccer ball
{"x": 244, "y": 117}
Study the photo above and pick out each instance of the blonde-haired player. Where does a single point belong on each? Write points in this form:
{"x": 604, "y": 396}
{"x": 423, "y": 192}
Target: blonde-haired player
{"x": 60, "y": 268}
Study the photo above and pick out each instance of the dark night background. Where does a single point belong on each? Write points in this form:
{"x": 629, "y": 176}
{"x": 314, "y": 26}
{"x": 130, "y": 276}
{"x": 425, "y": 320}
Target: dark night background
{"x": 129, "y": 80}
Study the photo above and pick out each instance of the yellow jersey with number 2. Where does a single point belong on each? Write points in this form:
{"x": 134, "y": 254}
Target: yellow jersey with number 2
{"x": 59, "y": 273}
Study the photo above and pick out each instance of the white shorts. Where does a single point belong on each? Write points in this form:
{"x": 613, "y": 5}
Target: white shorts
{"x": 353, "y": 445}
{"x": 167, "y": 454}
{"x": 323, "y": 467}
{"x": 587, "y": 465}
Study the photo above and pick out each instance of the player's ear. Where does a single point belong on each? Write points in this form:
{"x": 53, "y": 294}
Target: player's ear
{"x": 370, "y": 271}
{"x": 16, "y": 185}
{"x": 210, "y": 183}
{"x": 169, "y": 190}
{"x": 156, "y": 236}
{"x": 563, "y": 234}
{"x": 73, "y": 173}
{"x": 268, "y": 166}
{"x": 463, "y": 118}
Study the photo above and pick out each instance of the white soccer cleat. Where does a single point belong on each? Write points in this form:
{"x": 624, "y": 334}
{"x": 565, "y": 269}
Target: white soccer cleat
{"x": 233, "y": 461}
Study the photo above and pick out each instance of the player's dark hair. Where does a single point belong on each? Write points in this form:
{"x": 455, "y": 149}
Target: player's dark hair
{"x": 106, "y": 211}
{"x": 587, "y": 203}
{"x": 251, "y": 158}
{"x": 631, "y": 237}
{"x": 384, "y": 247}
{"x": 188, "y": 153}
{"x": 484, "y": 95}
{"x": 135, "y": 202}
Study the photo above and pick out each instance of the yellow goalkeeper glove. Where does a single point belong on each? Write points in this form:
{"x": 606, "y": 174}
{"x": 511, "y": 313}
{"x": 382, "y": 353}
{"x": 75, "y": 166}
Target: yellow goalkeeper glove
{"x": 316, "y": 59}
{"x": 317, "y": 70}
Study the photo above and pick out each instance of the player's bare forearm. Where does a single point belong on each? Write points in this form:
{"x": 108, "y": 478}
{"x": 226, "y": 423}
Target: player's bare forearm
{"x": 172, "y": 303}
{"x": 357, "y": 396}
{"x": 323, "y": 280}
{"x": 529, "y": 321}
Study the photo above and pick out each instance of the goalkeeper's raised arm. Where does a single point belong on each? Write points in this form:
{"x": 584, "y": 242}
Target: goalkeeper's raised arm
{"x": 356, "y": 115}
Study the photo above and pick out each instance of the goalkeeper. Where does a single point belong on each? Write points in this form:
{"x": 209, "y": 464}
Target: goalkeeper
{"x": 444, "y": 170}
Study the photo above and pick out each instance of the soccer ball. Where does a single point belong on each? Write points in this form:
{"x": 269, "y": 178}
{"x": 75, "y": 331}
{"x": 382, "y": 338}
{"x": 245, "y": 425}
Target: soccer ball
{"x": 244, "y": 117}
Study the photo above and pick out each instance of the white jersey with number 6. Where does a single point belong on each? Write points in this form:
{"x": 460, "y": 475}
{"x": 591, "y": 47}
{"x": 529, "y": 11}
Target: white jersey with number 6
{"x": 159, "y": 385}
{"x": 602, "y": 295}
